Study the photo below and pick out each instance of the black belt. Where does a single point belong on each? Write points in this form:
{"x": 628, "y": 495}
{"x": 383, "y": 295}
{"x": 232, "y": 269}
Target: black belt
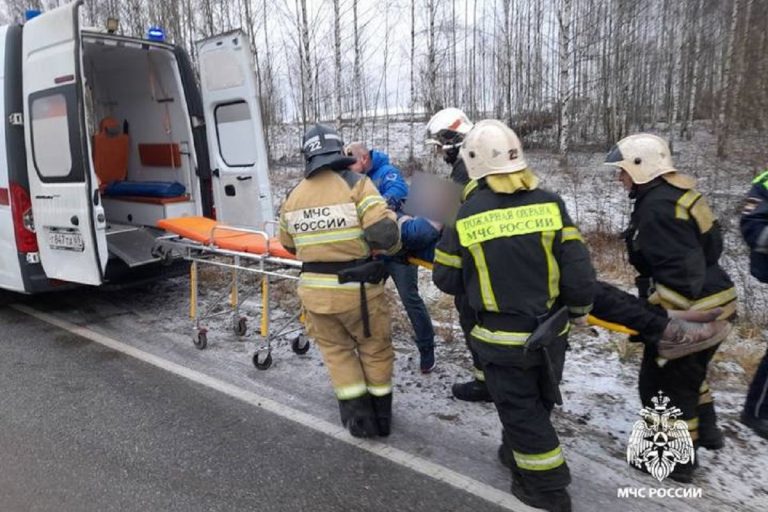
{"x": 355, "y": 271}
{"x": 330, "y": 267}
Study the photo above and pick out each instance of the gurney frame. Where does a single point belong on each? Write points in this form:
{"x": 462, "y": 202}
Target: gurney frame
{"x": 270, "y": 268}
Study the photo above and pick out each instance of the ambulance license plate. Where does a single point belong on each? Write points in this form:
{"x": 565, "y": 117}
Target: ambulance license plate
{"x": 65, "y": 239}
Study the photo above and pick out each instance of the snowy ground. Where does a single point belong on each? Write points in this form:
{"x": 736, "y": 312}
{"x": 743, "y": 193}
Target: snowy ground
{"x": 599, "y": 387}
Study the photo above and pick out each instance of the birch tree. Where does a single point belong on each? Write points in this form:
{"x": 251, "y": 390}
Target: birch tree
{"x": 725, "y": 96}
{"x": 564, "y": 20}
{"x": 337, "y": 60}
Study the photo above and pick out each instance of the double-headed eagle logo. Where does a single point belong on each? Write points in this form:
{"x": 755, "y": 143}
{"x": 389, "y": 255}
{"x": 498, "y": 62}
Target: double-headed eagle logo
{"x": 659, "y": 441}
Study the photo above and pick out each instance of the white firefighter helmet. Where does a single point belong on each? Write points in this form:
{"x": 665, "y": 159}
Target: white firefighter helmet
{"x": 492, "y": 147}
{"x": 643, "y": 156}
{"x": 447, "y": 128}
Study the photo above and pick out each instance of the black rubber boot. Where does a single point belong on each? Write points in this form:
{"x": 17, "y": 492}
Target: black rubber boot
{"x": 551, "y": 501}
{"x": 472, "y": 391}
{"x": 357, "y": 415}
{"x": 710, "y": 435}
{"x": 507, "y": 459}
{"x": 683, "y": 473}
{"x": 382, "y": 406}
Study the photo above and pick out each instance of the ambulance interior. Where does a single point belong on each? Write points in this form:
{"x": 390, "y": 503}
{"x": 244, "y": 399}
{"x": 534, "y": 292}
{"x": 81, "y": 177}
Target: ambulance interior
{"x": 141, "y": 140}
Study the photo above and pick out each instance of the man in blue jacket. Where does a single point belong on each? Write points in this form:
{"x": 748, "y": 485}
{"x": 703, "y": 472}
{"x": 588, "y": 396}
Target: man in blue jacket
{"x": 754, "y": 228}
{"x": 394, "y": 190}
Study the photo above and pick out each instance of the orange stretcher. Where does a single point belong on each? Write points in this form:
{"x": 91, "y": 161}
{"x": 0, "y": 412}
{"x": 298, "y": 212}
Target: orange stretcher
{"x": 209, "y": 232}
{"x": 203, "y": 241}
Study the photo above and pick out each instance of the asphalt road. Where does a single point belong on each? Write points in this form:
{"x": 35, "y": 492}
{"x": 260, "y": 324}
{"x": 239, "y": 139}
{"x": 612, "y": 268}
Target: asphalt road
{"x": 84, "y": 428}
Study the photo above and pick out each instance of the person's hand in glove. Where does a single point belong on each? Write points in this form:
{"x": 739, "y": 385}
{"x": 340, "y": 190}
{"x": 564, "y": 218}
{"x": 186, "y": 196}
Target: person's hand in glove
{"x": 682, "y": 338}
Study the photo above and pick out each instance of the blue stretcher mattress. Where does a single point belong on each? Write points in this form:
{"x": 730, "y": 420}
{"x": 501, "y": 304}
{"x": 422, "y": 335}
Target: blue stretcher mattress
{"x": 145, "y": 189}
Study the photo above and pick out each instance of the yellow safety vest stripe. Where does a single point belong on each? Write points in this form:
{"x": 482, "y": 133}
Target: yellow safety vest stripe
{"x": 499, "y": 337}
{"x": 351, "y": 391}
{"x": 379, "y": 389}
{"x": 571, "y": 233}
{"x": 582, "y": 310}
{"x": 484, "y": 277}
{"x": 553, "y": 269}
{"x": 760, "y": 178}
{"x": 711, "y": 301}
{"x": 367, "y": 202}
{"x": 684, "y": 204}
{"x": 326, "y": 281}
{"x": 449, "y": 260}
{"x": 509, "y": 338}
{"x": 468, "y": 188}
{"x": 340, "y": 235}
{"x": 540, "y": 461}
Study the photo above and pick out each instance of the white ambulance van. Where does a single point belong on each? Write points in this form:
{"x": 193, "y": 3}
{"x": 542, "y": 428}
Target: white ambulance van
{"x": 101, "y": 136}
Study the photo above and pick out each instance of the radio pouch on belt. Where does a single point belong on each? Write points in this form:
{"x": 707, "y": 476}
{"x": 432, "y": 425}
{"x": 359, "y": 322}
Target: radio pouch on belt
{"x": 373, "y": 272}
{"x": 540, "y": 339}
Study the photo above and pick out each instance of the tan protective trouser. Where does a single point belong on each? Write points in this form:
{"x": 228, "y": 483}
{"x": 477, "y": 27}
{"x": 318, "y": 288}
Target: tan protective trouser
{"x": 355, "y": 363}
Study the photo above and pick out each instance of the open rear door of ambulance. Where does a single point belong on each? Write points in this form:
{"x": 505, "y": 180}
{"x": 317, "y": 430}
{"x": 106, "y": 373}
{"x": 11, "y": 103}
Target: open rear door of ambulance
{"x": 68, "y": 215}
{"x": 238, "y": 154}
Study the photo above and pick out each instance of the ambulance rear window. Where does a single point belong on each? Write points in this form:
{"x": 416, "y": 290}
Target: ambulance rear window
{"x": 50, "y": 136}
{"x": 234, "y": 128}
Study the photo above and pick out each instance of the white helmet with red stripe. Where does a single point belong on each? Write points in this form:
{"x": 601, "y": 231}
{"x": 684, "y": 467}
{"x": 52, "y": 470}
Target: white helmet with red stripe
{"x": 447, "y": 128}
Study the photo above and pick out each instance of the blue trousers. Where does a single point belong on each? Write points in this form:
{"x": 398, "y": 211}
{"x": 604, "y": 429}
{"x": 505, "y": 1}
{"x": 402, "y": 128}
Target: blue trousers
{"x": 406, "y": 278}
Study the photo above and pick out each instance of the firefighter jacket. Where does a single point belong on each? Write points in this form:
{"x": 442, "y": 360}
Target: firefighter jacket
{"x": 674, "y": 239}
{"x": 516, "y": 254}
{"x": 459, "y": 172}
{"x": 754, "y": 226}
{"x": 336, "y": 217}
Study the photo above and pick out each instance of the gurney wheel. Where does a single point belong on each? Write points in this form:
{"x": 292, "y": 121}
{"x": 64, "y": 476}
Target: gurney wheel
{"x": 262, "y": 363}
{"x": 241, "y": 326}
{"x": 201, "y": 340}
{"x": 300, "y": 344}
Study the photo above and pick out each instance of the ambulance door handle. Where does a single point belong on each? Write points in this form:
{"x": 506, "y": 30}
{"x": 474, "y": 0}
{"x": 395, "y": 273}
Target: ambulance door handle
{"x": 74, "y": 220}
{"x": 96, "y": 197}
{"x": 244, "y": 178}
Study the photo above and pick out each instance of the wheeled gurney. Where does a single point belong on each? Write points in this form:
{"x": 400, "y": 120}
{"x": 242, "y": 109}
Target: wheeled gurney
{"x": 203, "y": 241}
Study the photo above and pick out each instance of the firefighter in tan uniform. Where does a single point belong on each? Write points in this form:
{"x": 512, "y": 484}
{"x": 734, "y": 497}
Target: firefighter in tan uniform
{"x": 335, "y": 220}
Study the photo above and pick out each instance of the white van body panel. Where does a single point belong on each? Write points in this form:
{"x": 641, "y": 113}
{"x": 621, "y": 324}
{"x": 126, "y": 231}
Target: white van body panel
{"x": 238, "y": 154}
{"x": 69, "y": 220}
{"x": 10, "y": 268}
{"x": 62, "y": 81}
